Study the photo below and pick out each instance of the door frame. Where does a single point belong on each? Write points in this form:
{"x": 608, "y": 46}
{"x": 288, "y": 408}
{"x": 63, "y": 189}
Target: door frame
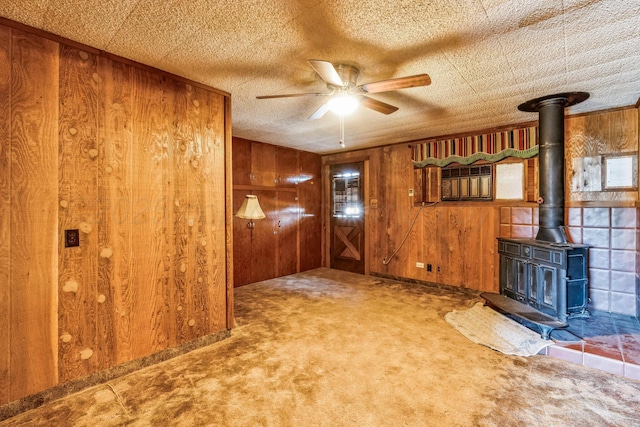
{"x": 326, "y": 211}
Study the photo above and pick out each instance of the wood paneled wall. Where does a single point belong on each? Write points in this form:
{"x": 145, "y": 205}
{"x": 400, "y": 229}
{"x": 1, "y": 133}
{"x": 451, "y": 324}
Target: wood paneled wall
{"x": 288, "y": 186}
{"x": 459, "y": 238}
{"x": 135, "y": 160}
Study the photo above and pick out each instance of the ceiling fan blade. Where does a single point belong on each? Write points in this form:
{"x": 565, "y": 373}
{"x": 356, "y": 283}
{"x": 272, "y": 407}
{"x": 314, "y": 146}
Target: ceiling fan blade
{"x": 379, "y": 106}
{"x": 319, "y": 112}
{"x": 327, "y": 71}
{"x": 399, "y": 83}
{"x": 291, "y": 95}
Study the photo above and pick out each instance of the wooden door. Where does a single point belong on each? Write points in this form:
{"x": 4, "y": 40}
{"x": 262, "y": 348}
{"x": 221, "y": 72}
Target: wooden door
{"x": 347, "y": 217}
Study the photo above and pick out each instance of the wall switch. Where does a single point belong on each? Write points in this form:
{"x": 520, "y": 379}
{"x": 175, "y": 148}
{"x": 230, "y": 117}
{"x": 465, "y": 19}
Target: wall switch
{"x": 420, "y": 264}
{"x": 71, "y": 238}
{"x": 411, "y": 192}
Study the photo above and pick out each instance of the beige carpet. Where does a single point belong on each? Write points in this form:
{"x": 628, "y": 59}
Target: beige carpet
{"x": 327, "y": 348}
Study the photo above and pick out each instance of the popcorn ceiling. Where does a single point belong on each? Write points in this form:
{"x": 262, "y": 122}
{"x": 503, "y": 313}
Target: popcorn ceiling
{"x": 485, "y": 57}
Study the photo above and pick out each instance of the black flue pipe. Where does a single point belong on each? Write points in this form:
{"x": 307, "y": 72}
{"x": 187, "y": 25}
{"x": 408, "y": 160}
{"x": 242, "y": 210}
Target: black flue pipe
{"x": 551, "y": 162}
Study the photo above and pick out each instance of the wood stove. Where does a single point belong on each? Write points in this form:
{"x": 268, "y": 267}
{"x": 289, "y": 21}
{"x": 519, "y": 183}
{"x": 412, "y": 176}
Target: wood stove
{"x": 544, "y": 281}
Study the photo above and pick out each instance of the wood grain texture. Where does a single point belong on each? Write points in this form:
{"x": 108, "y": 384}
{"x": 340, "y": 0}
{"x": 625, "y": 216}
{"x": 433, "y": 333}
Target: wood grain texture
{"x": 310, "y": 198}
{"x": 286, "y": 167}
{"x": 594, "y": 135}
{"x": 263, "y": 165}
{"x": 229, "y": 225}
{"x": 264, "y": 241}
{"x": 215, "y": 226}
{"x": 114, "y": 218}
{"x": 5, "y": 210}
{"x": 137, "y": 162}
{"x": 241, "y": 161}
{"x": 78, "y": 194}
{"x": 242, "y": 245}
{"x": 287, "y": 228}
{"x": 34, "y": 190}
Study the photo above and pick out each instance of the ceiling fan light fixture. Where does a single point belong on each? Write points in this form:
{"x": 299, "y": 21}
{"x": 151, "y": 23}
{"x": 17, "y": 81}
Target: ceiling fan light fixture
{"x": 343, "y": 104}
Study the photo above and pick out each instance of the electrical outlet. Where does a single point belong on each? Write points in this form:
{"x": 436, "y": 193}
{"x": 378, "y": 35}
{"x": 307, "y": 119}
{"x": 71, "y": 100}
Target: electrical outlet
{"x": 438, "y": 269}
{"x": 71, "y": 238}
{"x": 411, "y": 192}
{"x": 429, "y": 267}
{"x": 420, "y": 264}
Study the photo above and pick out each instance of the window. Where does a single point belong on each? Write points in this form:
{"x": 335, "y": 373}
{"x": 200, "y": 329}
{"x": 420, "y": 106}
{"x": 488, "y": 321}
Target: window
{"x": 467, "y": 183}
{"x": 345, "y": 195}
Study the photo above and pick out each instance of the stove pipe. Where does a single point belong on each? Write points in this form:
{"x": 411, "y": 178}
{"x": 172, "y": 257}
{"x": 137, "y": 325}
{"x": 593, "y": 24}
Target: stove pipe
{"x": 551, "y": 161}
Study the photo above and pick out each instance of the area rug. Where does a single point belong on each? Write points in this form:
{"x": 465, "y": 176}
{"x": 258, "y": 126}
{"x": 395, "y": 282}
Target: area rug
{"x": 485, "y": 326}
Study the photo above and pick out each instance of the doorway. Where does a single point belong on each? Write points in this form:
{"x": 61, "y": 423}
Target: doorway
{"x": 347, "y": 242}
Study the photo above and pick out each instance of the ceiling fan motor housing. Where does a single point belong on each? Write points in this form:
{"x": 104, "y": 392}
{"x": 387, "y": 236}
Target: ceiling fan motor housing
{"x": 348, "y": 74}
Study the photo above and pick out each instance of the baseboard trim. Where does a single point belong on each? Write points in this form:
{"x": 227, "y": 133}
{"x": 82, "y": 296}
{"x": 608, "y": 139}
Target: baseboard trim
{"x": 61, "y": 390}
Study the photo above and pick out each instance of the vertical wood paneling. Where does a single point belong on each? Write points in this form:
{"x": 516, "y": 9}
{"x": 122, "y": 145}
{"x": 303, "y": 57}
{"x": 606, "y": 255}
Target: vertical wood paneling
{"x": 79, "y": 83}
{"x": 241, "y": 161}
{"x": 310, "y": 198}
{"x": 199, "y": 231}
{"x": 287, "y": 228}
{"x": 286, "y": 166}
{"x": 137, "y": 162}
{"x": 264, "y": 256}
{"x": 150, "y": 135}
{"x": 169, "y": 203}
{"x": 242, "y": 244}
{"x": 263, "y": 165}
{"x": 214, "y": 227}
{"x": 5, "y": 208}
{"x": 114, "y": 215}
{"x": 34, "y": 190}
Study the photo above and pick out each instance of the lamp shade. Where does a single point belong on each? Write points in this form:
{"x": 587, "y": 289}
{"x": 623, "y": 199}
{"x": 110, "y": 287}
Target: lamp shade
{"x": 250, "y": 208}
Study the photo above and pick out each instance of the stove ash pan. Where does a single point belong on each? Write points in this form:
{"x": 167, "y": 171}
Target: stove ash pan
{"x": 549, "y": 277}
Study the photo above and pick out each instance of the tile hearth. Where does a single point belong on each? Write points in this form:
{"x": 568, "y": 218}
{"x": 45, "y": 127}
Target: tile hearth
{"x": 610, "y": 342}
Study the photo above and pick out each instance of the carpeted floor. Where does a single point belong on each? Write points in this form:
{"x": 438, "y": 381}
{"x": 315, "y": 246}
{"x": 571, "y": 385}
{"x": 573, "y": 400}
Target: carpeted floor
{"x": 328, "y": 348}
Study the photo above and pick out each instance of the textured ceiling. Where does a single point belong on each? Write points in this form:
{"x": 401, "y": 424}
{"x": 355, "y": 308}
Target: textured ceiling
{"x": 485, "y": 57}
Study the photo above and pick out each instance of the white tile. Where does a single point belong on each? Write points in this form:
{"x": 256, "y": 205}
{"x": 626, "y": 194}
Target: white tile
{"x": 599, "y": 279}
{"x": 623, "y": 303}
{"x": 596, "y": 217}
{"x": 596, "y": 237}
{"x": 623, "y": 217}
{"x": 622, "y": 281}
{"x": 567, "y": 354}
{"x": 623, "y": 261}
{"x": 622, "y": 238}
{"x": 604, "y": 364}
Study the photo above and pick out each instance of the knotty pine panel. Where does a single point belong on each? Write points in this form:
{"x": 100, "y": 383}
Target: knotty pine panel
{"x": 214, "y": 226}
{"x": 153, "y": 121}
{"x": 5, "y": 209}
{"x": 78, "y": 270}
{"x": 115, "y": 285}
{"x": 136, "y": 161}
{"x": 34, "y": 223}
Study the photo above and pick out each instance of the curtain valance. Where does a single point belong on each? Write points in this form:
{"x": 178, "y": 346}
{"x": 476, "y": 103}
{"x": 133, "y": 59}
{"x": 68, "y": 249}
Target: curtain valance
{"x": 492, "y": 147}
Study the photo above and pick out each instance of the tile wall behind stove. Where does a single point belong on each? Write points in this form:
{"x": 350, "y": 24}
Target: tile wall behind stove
{"x": 612, "y": 234}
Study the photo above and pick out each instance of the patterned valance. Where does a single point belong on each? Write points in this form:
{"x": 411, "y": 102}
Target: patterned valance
{"x": 521, "y": 143}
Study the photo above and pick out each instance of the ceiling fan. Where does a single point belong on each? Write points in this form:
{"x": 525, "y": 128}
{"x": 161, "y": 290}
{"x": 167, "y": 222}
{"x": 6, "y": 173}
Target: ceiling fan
{"x": 345, "y": 94}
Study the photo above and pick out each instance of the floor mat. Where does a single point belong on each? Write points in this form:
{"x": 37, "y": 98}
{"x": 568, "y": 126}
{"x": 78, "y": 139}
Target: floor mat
{"x": 485, "y": 326}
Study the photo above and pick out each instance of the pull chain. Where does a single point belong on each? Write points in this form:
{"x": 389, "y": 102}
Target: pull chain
{"x": 341, "y": 131}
